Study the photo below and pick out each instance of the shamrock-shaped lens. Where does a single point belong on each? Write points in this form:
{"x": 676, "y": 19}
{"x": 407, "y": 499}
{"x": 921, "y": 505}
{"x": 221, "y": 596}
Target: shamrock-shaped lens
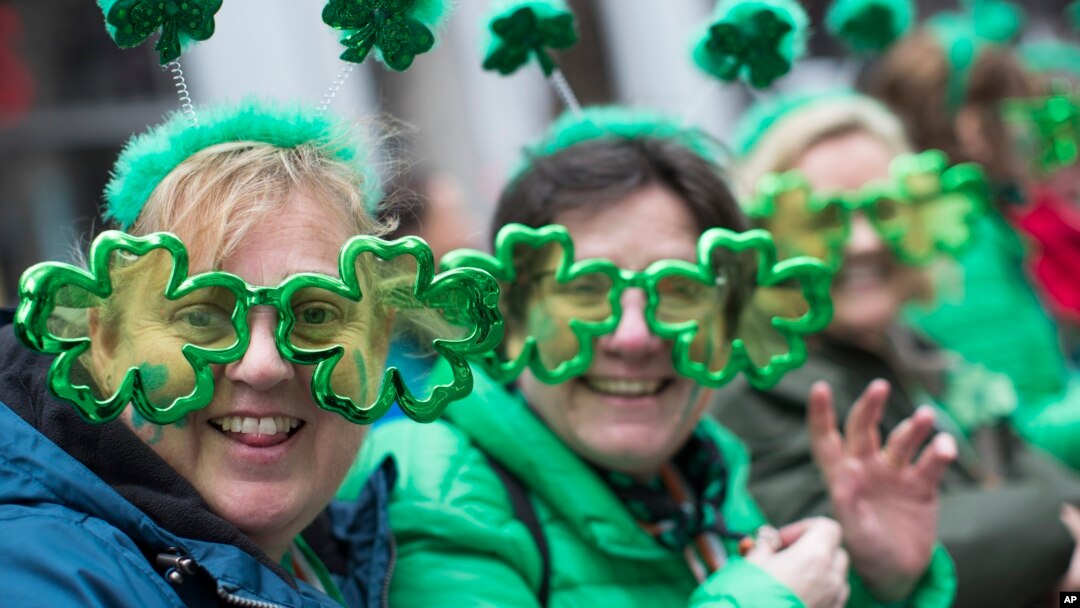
{"x": 132, "y": 329}
{"x": 544, "y": 306}
{"x": 737, "y": 309}
{"x": 801, "y": 223}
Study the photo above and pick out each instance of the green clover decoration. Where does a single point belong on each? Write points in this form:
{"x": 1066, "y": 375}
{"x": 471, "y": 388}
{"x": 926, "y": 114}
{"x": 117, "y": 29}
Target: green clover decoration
{"x": 1049, "y": 127}
{"x": 48, "y": 287}
{"x": 683, "y": 301}
{"x": 504, "y": 365}
{"x": 924, "y": 209}
{"x": 383, "y": 24}
{"x": 751, "y": 46}
{"x": 135, "y": 20}
{"x": 527, "y": 32}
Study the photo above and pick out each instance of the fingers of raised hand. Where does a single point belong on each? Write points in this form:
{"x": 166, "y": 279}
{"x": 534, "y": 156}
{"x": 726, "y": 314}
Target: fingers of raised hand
{"x": 935, "y": 458}
{"x": 904, "y": 440}
{"x": 861, "y": 431}
{"x": 1070, "y": 516}
{"x": 825, "y": 439}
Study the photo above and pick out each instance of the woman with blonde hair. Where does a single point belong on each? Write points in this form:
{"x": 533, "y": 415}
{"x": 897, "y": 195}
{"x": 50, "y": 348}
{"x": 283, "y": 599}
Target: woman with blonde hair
{"x": 838, "y": 171}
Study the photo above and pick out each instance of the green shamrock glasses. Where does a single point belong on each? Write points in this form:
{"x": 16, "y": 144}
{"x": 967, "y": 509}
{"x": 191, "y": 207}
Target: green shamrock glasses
{"x": 1046, "y": 130}
{"x": 924, "y": 209}
{"x": 135, "y": 328}
{"x": 733, "y": 309}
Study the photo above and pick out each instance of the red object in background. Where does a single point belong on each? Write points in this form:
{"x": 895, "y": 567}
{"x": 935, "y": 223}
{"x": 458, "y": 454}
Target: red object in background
{"x": 16, "y": 86}
{"x": 1052, "y": 223}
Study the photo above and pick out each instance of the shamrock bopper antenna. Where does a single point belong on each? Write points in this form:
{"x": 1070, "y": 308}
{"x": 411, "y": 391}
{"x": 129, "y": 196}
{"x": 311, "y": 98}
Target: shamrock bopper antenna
{"x": 519, "y": 31}
{"x": 181, "y": 22}
{"x": 753, "y": 41}
{"x": 396, "y": 30}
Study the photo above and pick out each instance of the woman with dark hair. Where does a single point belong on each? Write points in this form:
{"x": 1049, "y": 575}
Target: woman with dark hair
{"x": 606, "y": 487}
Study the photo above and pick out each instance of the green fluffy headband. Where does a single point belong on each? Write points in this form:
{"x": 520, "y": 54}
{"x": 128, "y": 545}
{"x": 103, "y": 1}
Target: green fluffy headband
{"x": 149, "y": 157}
{"x": 617, "y": 122}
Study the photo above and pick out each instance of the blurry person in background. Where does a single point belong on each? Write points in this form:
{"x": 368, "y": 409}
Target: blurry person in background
{"x": 1006, "y": 509}
{"x": 987, "y": 309}
{"x": 959, "y": 109}
{"x": 1047, "y": 129}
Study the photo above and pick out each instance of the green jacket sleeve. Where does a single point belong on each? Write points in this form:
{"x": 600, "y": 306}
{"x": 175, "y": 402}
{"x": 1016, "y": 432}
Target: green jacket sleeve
{"x": 741, "y": 584}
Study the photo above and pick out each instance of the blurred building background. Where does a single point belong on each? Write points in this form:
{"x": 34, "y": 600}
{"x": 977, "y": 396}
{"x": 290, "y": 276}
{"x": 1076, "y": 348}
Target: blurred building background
{"x": 69, "y": 98}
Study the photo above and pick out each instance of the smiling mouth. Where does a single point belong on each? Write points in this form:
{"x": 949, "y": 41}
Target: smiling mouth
{"x": 257, "y": 432}
{"x": 623, "y": 387}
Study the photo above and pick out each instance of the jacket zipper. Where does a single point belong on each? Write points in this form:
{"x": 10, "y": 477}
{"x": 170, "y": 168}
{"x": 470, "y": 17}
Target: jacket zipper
{"x": 389, "y": 573}
{"x": 243, "y": 602}
{"x": 178, "y": 564}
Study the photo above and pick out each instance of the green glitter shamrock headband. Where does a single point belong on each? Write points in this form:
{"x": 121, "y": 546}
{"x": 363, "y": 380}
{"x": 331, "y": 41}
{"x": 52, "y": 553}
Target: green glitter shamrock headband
{"x": 556, "y": 313}
{"x": 396, "y": 30}
{"x": 755, "y": 41}
{"x": 925, "y": 209}
{"x": 136, "y": 328}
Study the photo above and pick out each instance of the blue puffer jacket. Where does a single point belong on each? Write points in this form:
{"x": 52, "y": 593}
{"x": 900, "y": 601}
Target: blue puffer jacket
{"x": 72, "y": 535}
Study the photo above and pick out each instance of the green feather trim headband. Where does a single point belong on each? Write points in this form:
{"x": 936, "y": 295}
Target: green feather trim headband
{"x": 757, "y": 41}
{"x": 149, "y": 157}
{"x": 600, "y": 122}
{"x": 626, "y": 123}
{"x": 762, "y": 117}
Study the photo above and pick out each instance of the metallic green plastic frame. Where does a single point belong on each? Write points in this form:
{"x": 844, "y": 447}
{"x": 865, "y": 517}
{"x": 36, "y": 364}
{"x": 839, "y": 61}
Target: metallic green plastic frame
{"x": 471, "y": 295}
{"x": 965, "y": 179}
{"x": 501, "y": 267}
{"x": 812, "y": 274}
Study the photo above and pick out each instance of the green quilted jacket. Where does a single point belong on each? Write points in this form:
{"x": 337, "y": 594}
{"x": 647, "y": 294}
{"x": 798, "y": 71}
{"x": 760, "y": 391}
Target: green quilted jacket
{"x": 460, "y": 544}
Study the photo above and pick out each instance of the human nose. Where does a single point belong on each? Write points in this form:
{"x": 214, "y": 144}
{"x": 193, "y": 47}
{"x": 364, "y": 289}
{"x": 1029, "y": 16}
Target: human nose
{"x": 632, "y": 336}
{"x": 864, "y": 237}
{"x": 262, "y": 366}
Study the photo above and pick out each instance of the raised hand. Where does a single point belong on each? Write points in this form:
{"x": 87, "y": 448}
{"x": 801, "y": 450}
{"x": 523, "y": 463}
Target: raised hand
{"x": 885, "y": 500}
{"x": 808, "y": 560}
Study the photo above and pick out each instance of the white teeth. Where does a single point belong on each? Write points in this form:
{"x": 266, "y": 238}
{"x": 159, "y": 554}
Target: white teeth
{"x": 624, "y": 388}
{"x": 270, "y": 425}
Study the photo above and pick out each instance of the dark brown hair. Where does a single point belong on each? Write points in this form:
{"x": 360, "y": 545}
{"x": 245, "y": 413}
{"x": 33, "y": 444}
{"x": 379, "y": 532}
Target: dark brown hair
{"x": 604, "y": 172}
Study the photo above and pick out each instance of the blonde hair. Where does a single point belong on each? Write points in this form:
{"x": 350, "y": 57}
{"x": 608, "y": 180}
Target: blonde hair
{"x": 215, "y": 197}
{"x": 802, "y": 127}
